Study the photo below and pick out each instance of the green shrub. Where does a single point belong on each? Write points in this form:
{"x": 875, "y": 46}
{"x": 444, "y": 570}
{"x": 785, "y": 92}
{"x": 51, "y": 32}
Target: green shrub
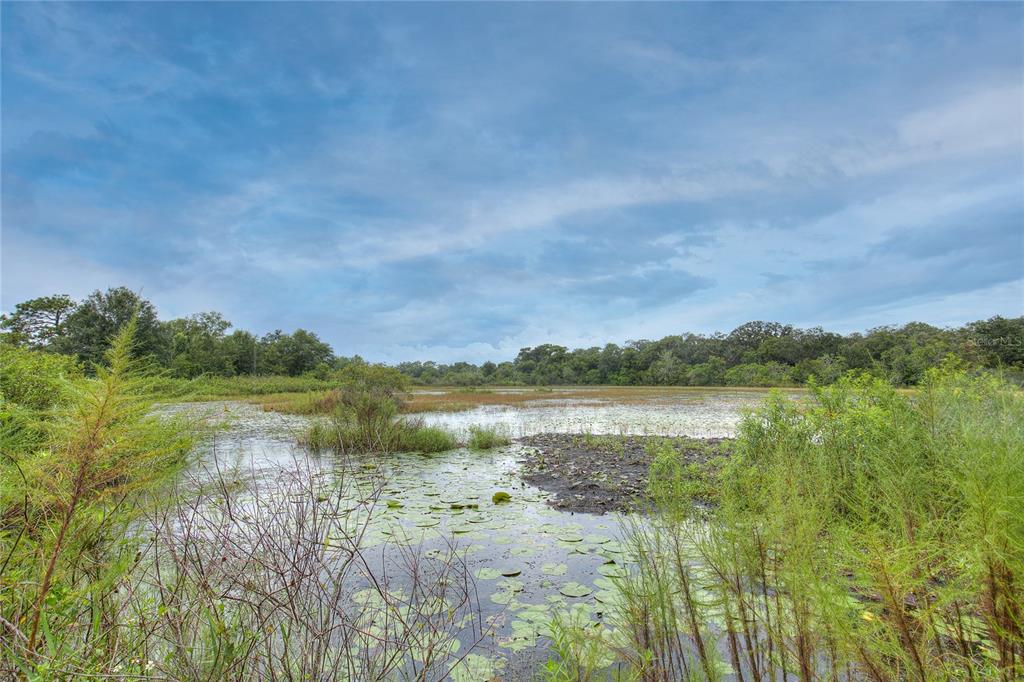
{"x": 486, "y": 438}
{"x": 35, "y": 380}
{"x": 866, "y": 530}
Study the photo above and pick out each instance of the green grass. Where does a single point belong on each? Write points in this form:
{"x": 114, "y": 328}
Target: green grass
{"x": 486, "y": 438}
{"x": 417, "y": 438}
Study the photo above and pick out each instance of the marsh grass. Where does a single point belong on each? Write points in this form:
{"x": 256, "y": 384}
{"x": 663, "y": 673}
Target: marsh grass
{"x": 867, "y": 534}
{"x": 415, "y": 437}
{"x": 486, "y": 438}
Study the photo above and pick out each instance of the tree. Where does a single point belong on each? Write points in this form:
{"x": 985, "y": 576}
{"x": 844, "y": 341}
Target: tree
{"x": 240, "y": 350}
{"x": 667, "y": 369}
{"x": 198, "y": 345}
{"x": 37, "y": 323}
{"x": 1000, "y": 340}
{"x": 90, "y": 328}
{"x": 291, "y": 354}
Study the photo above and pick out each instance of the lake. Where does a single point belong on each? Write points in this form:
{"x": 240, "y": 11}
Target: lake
{"x": 528, "y": 561}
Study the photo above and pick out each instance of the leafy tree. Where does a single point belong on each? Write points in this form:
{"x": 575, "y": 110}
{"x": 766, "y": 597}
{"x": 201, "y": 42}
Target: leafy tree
{"x": 39, "y": 322}
{"x": 1000, "y": 340}
{"x": 667, "y": 369}
{"x": 89, "y": 330}
{"x": 291, "y": 354}
{"x": 198, "y": 345}
{"x": 758, "y": 374}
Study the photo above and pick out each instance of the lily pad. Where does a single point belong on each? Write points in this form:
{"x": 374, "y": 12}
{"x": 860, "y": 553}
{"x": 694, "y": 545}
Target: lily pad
{"x": 574, "y": 589}
{"x": 487, "y": 574}
{"x": 503, "y": 597}
{"x": 474, "y": 668}
{"x": 552, "y": 568}
{"x": 501, "y": 497}
{"x": 612, "y": 571}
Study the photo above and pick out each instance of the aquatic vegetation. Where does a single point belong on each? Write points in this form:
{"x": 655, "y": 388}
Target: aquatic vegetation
{"x": 867, "y": 534}
{"x": 486, "y": 438}
{"x": 418, "y": 438}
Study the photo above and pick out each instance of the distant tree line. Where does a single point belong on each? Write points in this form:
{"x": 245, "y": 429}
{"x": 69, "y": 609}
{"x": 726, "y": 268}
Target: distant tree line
{"x": 187, "y": 347}
{"x": 753, "y": 354}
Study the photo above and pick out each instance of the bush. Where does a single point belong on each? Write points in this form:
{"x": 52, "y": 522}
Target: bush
{"x": 486, "y": 438}
{"x": 35, "y": 380}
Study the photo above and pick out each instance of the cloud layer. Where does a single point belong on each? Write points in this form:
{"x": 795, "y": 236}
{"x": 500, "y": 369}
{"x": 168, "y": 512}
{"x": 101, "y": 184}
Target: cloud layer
{"x": 455, "y": 181}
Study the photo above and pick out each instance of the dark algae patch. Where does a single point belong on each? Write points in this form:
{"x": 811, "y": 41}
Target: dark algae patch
{"x": 598, "y": 474}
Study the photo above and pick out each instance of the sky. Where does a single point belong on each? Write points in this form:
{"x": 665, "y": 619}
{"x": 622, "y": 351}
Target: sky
{"x": 458, "y": 181}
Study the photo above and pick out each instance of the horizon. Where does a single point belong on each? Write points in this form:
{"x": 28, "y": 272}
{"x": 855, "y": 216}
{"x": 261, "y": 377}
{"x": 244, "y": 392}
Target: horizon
{"x": 454, "y": 182}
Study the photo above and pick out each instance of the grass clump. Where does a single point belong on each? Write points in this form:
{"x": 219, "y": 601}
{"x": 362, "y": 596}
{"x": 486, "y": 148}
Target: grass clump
{"x": 486, "y": 438}
{"x": 419, "y": 438}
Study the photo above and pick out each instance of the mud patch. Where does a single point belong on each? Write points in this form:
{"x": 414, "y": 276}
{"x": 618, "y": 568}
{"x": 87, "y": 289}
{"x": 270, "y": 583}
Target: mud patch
{"x": 599, "y": 474}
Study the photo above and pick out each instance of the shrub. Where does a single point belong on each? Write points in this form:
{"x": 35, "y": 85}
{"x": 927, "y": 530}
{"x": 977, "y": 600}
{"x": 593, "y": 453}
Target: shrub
{"x": 69, "y": 503}
{"x": 35, "y": 380}
{"x": 486, "y": 438}
{"x": 866, "y": 531}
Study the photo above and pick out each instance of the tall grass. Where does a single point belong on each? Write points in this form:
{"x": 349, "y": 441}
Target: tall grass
{"x": 867, "y": 535}
{"x": 487, "y": 438}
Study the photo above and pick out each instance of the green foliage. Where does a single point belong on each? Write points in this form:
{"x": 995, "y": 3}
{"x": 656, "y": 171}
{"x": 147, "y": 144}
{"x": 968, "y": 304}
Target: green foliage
{"x": 206, "y": 387}
{"x": 486, "y": 438}
{"x": 427, "y": 439}
{"x": 674, "y": 478}
{"x": 35, "y": 380}
{"x": 754, "y": 354}
{"x": 39, "y": 322}
{"x": 365, "y": 415}
{"x": 90, "y": 329}
{"x": 69, "y": 502}
{"x": 759, "y": 374}
{"x": 868, "y": 530}
{"x": 581, "y": 653}
{"x": 32, "y": 384}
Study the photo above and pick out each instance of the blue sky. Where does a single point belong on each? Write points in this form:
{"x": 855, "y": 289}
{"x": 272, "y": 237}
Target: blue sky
{"x": 457, "y": 181}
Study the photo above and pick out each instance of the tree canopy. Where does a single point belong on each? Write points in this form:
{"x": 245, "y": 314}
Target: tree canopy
{"x": 757, "y": 353}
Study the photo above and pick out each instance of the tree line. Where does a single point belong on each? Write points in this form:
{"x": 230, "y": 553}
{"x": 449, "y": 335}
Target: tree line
{"x": 754, "y": 354}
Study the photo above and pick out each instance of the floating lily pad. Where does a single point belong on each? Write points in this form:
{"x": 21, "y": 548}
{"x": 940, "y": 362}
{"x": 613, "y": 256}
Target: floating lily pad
{"x": 612, "y": 571}
{"x": 552, "y": 568}
{"x": 511, "y": 585}
{"x": 500, "y": 497}
{"x": 510, "y": 572}
{"x": 574, "y": 589}
{"x": 487, "y": 573}
{"x": 503, "y": 597}
{"x": 474, "y": 668}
